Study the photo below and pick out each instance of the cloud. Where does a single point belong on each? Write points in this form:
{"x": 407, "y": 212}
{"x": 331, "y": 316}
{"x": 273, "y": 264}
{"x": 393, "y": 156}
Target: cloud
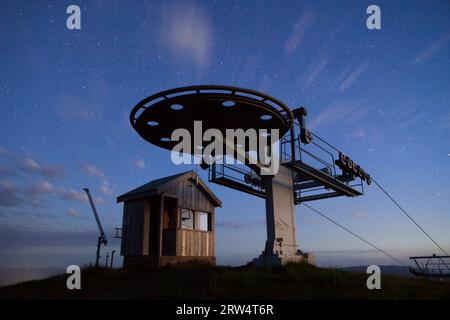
{"x": 3, "y": 152}
{"x": 444, "y": 123}
{"x": 316, "y": 71}
{"x": 9, "y": 196}
{"x": 18, "y": 164}
{"x": 408, "y": 113}
{"x": 18, "y": 237}
{"x": 237, "y": 225}
{"x": 30, "y": 165}
{"x": 359, "y": 214}
{"x": 89, "y": 107}
{"x": 32, "y": 194}
{"x": 433, "y": 49}
{"x": 353, "y": 76}
{"x": 71, "y": 108}
{"x": 73, "y": 213}
{"x": 186, "y": 31}
{"x": 93, "y": 171}
{"x": 412, "y": 120}
{"x": 140, "y": 164}
{"x": 298, "y": 32}
{"x": 78, "y": 196}
{"x": 405, "y": 108}
{"x": 74, "y": 195}
{"x": 7, "y": 171}
{"x": 12, "y": 196}
{"x": 332, "y": 115}
{"x": 105, "y": 188}
{"x": 358, "y": 133}
{"x": 41, "y": 187}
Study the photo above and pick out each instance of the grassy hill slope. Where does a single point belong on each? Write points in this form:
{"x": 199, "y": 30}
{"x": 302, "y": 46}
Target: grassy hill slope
{"x": 294, "y": 281}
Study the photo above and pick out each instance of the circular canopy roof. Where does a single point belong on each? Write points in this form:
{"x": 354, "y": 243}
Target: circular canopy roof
{"x": 218, "y": 107}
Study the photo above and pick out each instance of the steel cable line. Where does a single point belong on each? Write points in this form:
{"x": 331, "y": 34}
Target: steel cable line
{"x": 391, "y": 198}
{"x": 411, "y": 218}
{"x": 354, "y": 234}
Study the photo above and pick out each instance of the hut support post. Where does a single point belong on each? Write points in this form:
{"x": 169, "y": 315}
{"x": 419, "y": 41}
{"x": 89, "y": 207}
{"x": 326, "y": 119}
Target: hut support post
{"x": 161, "y": 221}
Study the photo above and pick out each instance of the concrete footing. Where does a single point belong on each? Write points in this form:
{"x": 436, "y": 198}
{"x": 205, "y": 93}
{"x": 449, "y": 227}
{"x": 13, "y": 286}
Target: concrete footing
{"x": 276, "y": 261}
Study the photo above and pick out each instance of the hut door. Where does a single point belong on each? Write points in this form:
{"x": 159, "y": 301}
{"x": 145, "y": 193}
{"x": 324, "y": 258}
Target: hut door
{"x": 169, "y": 226}
{"x": 154, "y": 227}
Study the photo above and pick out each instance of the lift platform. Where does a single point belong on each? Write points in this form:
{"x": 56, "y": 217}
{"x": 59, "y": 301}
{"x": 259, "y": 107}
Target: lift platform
{"x": 432, "y": 266}
{"x": 316, "y": 175}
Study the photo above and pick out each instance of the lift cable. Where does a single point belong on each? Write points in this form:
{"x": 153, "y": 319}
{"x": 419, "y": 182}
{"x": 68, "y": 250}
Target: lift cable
{"x": 411, "y": 218}
{"x": 354, "y": 234}
{"x": 390, "y": 197}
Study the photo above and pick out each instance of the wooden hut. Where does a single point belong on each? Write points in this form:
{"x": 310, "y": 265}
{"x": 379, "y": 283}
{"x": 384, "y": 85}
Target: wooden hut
{"x": 168, "y": 220}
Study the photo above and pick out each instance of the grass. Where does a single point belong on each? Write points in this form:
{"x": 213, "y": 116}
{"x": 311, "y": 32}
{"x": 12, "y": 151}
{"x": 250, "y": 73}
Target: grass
{"x": 197, "y": 281}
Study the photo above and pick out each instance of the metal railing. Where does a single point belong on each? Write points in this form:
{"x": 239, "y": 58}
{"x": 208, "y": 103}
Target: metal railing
{"x": 235, "y": 173}
{"x": 432, "y": 266}
{"x": 322, "y": 178}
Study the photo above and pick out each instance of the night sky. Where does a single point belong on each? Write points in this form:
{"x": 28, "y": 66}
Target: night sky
{"x": 382, "y": 96}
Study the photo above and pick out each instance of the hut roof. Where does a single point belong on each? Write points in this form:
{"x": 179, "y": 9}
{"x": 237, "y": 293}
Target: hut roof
{"x": 158, "y": 186}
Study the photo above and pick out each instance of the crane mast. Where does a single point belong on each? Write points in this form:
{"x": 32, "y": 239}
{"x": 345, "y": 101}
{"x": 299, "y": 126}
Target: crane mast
{"x": 102, "y": 238}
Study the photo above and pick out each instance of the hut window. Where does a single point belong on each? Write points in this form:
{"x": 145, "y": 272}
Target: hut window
{"x": 170, "y": 219}
{"x": 187, "y": 219}
{"x": 203, "y": 221}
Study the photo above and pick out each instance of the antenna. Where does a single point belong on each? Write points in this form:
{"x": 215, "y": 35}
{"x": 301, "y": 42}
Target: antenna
{"x": 102, "y": 238}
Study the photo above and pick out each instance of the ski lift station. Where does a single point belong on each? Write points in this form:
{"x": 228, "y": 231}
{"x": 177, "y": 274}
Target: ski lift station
{"x": 171, "y": 219}
{"x": 168, "y": 221}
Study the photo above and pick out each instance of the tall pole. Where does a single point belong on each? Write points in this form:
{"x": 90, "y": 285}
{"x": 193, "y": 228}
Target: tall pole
{"x": 97, "y": 259}
{"x": 102, "y": 238}
{"x": 97, "y": 219}
{"x": 107, "y": 259}
{"x": 112, "y": 257}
